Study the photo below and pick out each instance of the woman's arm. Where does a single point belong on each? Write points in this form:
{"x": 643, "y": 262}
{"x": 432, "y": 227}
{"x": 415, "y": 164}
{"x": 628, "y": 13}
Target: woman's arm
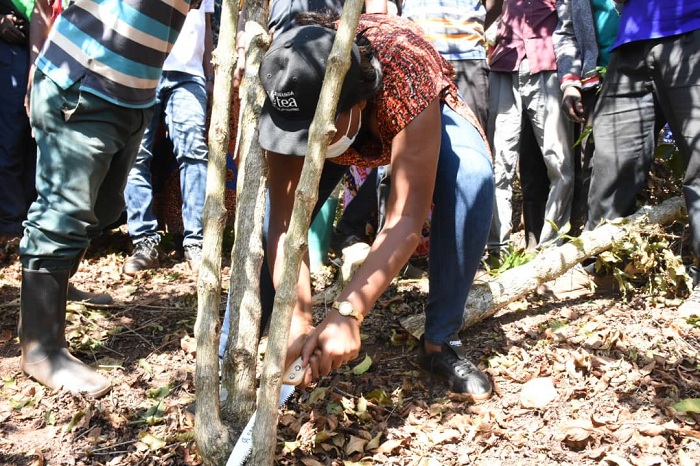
{"x": 415, "y": 152}
{"x": 283, "y": 176}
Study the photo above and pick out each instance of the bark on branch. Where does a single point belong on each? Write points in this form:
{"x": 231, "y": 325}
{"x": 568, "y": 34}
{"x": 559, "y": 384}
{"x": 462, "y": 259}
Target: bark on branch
{"x": 295, "y": 245}
{"x": 240, "y": 359}
{"x": 486, "y": 299}
{"x": 211, "y": 435}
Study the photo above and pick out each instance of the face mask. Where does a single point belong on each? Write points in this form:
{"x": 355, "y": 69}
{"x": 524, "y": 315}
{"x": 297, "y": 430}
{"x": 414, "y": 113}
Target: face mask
{"x": 339, "y": 147}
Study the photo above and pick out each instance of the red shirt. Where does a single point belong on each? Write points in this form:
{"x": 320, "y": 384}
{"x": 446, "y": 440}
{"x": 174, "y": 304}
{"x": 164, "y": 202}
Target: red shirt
{"x": 414, "y": 76}
{"x": 525, "y": 30}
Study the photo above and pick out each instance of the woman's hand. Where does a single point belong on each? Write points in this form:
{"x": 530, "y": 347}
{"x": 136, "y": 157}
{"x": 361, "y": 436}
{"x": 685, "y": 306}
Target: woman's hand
{"x": 335, "y": 342}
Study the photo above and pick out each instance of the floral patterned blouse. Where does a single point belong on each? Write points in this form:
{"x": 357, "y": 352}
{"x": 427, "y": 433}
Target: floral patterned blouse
{"x": 414, "y": 75}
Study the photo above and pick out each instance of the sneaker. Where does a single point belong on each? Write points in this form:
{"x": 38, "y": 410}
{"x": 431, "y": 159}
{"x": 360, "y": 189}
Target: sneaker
{"x": 193, "y": 256}
{"x": 144, "y": 257}
{"x": 452, "y": 365}
{"x": 691, "y": 306}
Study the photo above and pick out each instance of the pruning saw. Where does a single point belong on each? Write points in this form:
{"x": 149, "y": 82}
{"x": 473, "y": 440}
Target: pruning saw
{"x": 292, "y": 377}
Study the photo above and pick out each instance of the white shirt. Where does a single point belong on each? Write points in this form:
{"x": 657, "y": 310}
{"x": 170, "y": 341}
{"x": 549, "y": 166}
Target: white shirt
{"x": 188, "y": 51}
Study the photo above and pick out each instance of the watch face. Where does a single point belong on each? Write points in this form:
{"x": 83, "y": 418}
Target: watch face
{"x": 345, "y": 308}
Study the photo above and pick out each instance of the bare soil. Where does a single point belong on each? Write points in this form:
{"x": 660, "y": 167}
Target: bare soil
{"x": 591, "y": 381}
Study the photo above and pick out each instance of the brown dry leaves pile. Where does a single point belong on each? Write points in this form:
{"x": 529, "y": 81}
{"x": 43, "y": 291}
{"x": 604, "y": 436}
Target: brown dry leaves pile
{"x": 586, "y": 382}
{"x": 576, "y": 383}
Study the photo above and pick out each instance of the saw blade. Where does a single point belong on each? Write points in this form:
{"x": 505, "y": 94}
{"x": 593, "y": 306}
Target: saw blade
{"x": 244, "y": 445}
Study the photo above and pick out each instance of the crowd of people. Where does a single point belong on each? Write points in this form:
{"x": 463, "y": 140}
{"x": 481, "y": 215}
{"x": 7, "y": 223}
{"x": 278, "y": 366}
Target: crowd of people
{"x": 443, "y": 119}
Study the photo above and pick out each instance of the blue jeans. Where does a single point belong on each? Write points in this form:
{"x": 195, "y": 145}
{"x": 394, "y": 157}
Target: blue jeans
{"x": 17, "y": 148}
{"x": 182, "y": 102}
{"x": 459, "y": 226}
{"x": 464, "y": 192}
{"x": 86, "y": 147}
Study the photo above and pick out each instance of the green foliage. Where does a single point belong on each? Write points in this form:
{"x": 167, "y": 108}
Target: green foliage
{"x": 510, "y": 259}
{"x": 587, "y": 132}
{"x": 645, "y": 261}
{"x": 363, "y": 367}
{"x": 689, "y": 405}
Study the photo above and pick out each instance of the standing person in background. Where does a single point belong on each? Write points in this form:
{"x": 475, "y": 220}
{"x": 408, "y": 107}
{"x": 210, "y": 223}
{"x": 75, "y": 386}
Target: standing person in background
{"x": 457, "y": 30}
{"x": 655, "y": 61}
{"x": 182, "y": 102}
{"x": 524, "y": 87}
{"x": 92, "y": 96}
{"x": 17, "y": 148}
{"x": 586, "y": 31}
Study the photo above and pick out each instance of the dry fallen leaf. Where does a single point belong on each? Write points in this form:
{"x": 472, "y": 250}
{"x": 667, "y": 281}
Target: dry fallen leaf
{"x": 389, "y": 446}
{"x": 188, "y": 344}
{"x": 538, "y": 393}
{"x": 578, "y": 433}
{"x": 616, "y": 460}
{"x": 355, "y": 445}
{"x": 444, "y": 436}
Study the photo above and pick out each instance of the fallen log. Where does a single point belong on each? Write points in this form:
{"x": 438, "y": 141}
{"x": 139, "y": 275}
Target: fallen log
{"x": 485, "y": 299}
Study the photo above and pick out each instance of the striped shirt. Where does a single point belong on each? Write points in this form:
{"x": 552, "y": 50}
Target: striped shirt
{"x": 455, "y": 27}
{"x": 115, "y": 49}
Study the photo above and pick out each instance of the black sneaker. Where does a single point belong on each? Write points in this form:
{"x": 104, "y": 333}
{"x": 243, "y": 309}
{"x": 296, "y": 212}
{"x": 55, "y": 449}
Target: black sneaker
{"x": 144, "y": 257}
{"x": 193, "y": 256}
{"x": 452, "y": 365}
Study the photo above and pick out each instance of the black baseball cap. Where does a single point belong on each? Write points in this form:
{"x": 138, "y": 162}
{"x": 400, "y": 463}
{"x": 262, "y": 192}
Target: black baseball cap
{"x": 292, "y": 73}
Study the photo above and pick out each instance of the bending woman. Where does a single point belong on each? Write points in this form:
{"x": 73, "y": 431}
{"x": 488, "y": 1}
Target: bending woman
{"x": 397, "y": 106}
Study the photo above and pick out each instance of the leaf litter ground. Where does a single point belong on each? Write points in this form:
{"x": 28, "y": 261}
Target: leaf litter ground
{"x": 591, "y": 381}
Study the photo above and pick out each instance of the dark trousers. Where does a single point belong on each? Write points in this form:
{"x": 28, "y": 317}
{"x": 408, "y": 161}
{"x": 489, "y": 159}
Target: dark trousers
{"x": 641, "y": 75}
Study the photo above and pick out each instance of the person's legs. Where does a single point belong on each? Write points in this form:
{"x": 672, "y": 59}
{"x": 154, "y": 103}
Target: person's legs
{"x": 138, "y": 193}
{"x": 185, "y": 119}
{"x": 676, "y": 75}
{"x": 330, "y": 176}
{"x": 351, "y": 226}
{"x": 472, "y": 80}
{"x": 624, "y": 136}
{"x": 142, "y": 221}
{"x": 583, "y": 159}
{"x": 505, "y": 117}
{"x": 534, "y": 184}
{"x": 17, "y": 158}
{"x": 84, "y": 144}
{"x": 554, "y": 132}
{"x": 463, "y": 197}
